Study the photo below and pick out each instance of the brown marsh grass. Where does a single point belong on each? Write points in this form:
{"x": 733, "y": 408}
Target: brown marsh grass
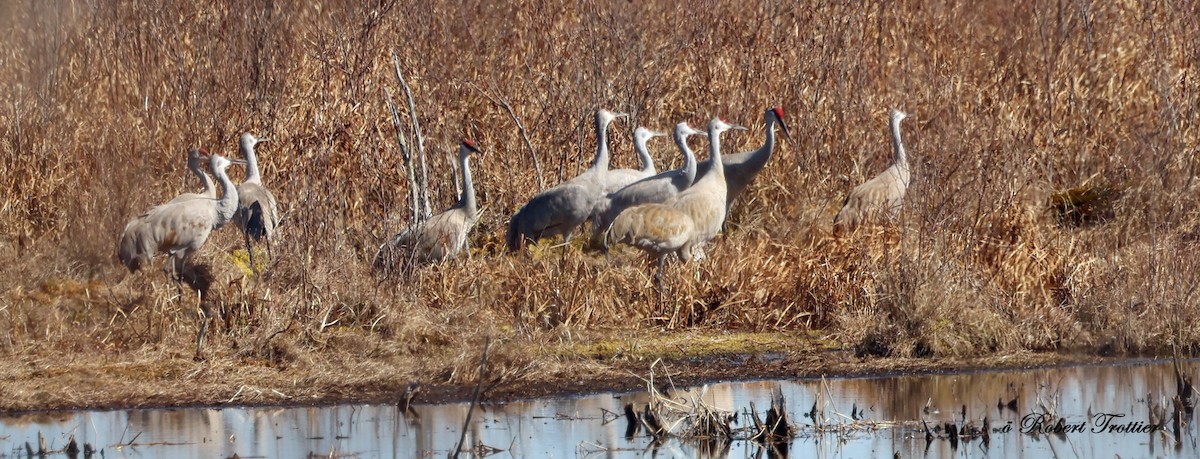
{"x": 1013, "y": 103}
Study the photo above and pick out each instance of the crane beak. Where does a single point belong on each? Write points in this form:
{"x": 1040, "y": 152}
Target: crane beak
{"x": 658, "y": 134}
{"x": 620, "y": 115}
{"x": 263, "y": 139}
{"x": 738, "y": 127}
{"x": 786, "y": 134}
{"x": 238, "y": 161}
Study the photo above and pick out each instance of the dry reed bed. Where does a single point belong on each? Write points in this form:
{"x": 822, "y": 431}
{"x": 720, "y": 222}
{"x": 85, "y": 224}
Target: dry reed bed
{"x": 1012, "y": 102}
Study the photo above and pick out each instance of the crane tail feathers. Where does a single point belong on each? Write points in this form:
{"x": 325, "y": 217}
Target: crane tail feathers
{"x": 256, "y": 226}
{"x": 127, "y": 250}
{"x": 513, "y": 238}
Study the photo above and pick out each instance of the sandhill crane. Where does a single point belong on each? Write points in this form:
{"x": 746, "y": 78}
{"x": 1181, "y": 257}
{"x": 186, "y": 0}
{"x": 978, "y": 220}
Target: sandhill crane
{"x": 195, "y": 163}
{"x": 683, "y": 223}
{"x": 882, "y": 194}
{"x": 621, "y": 178}
{"x": 562, "y": 208}
{"x": 705, "y": 201}
{"x": 741, "y": 168}
{"x": 442, "y": 236}
{"x": 653, "y": 189}
{"x": 657, "y": 229}
{"x": 179, "y": 229}
{"x": 257, "y": 215}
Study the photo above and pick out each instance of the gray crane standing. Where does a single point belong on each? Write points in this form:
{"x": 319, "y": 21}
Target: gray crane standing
{"x": 742, "y": 168}
{"x": 882, "y": 194}
{"x": 657, "y": 188}
{"x": 557, "y": 211}
{"x": 257, "y": 214}
{"x": 441, "y": 237}
{"x": 180, "y": 229}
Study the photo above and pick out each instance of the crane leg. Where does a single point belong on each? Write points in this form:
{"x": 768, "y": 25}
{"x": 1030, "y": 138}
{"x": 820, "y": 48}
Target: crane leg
{"x": 205, "y": 315}
{"x": 270, "y": 256}
{"x": 658, "y": 282}
{"x": 659, "y": 273}
{"x": 250, "y": 253}
{"x": 173, "y": 270}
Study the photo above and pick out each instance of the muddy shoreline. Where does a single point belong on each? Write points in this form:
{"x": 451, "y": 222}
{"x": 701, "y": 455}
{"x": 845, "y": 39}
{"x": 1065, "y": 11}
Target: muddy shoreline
{"x": 616, "y": 377}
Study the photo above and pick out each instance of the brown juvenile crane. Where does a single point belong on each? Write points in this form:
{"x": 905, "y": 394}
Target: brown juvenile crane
{"x": 441, "y": 237}
{"x": 195, "y": 163}
{"x": 653, "y": 189}
{"x": 562, "y": 208}
{"x": 257, "y": 214}
{"x": 683, "y": 223}
{"x": 180, "y": 229}
{"x": 883, "y": 194}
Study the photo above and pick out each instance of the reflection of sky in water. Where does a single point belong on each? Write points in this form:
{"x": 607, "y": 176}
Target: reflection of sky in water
{"x": 573, "y": 427}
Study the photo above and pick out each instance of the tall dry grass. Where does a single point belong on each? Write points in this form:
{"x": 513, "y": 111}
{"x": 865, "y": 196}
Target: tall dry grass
{"x": 1012, "y": 101}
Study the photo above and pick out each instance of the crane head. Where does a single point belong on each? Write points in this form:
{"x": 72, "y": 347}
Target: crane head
{"x": 723, "y": 125}
{"x": 898, "y": 115}
{"x": 683, "y": 130}
{"x": 777, "y": 112}
{"x": 604, "y": 117}
{"x": 642, "y": 134}
{"x": 219, "y": 157}
{"x": 468, "y": 145}
{"x": 248, "y": 140}
{"x": 195, "y": 156}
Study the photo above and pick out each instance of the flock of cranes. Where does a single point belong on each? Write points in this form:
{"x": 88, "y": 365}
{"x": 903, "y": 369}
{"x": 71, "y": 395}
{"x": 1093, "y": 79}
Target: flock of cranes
{"x": 677, "y": 211}
{"x": 180, "y": 227}
{"x": 673, "y": 212}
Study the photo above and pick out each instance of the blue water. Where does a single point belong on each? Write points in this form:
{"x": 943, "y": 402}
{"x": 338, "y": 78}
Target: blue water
{"x": 892, "y": 408}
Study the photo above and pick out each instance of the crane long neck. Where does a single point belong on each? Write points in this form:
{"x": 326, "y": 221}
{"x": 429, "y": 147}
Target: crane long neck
{"x": 644, "y": 156}
{"x": 714, "y": 152}
{"x": 205, "y": 181}
{"x": 227, "y": 205}
{"x": 251, "y": 157}
{"x": 898, "y": 156}
{"x": 601, "y": 162}
{"x": 468, "y": 188}
{"x": 769, "y": 143}
{"x": 689, "y": 158}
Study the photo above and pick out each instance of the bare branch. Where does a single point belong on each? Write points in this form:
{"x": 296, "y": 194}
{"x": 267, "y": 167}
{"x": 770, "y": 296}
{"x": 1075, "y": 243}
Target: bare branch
{"x": 416, "y": 125}
{"x": 502, "y": 103}
{"x": 405, "y": 155}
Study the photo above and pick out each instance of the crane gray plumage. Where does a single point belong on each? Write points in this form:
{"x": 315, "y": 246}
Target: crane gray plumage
{"x": 742, "y": 168}
{"x": 621, "y": 178}
{"x": 180, "y": 229}
{"x": 562, "y": 208}
{"x": 441, "y": 237}
{"x": 654, "y": 189}
{"x": 195, "y": 163}
{"x": 257, "y": 214}
{"x": 882, "y": 194}
{"x": 683, "y": 223}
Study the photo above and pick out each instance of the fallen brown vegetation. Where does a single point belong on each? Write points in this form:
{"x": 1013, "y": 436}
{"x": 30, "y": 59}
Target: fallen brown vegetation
{"x": 1015, "y": 105}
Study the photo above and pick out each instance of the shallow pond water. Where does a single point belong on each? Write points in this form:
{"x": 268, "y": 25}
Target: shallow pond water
{"x": 1105, "y": 411}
